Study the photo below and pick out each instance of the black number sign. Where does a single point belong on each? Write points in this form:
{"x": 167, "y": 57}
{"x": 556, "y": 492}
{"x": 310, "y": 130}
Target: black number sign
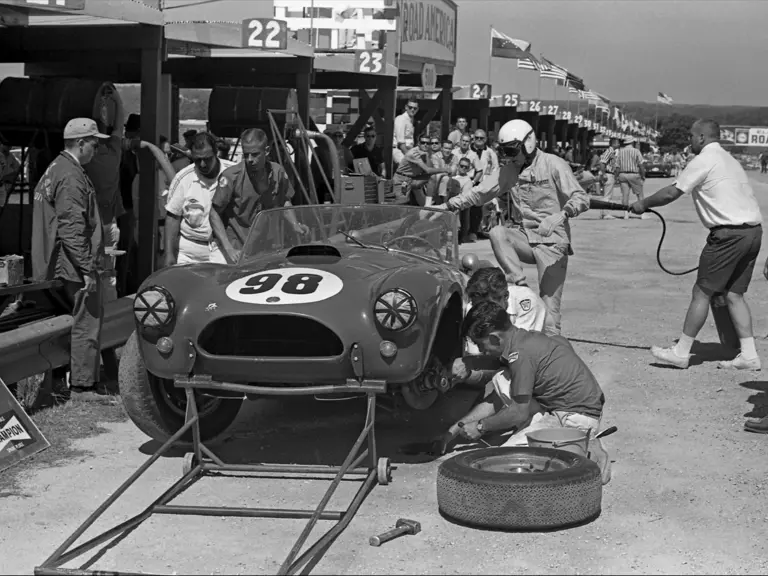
{"x": 302, "y": 284}
{"x": 295, "y": 284}
{"x": 261, "y": 283}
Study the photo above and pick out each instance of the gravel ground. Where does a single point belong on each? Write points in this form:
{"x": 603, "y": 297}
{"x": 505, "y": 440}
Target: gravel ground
{"x": 688, "y": 494}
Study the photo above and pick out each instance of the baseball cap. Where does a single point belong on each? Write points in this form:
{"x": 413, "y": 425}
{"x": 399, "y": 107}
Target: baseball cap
{"x": 82, "y": 128}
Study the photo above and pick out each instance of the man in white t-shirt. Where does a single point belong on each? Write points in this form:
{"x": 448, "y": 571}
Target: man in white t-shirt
{"x": 525, "y": 308}
{"x": 188, "y": 232}
{"x": 727, "y": 206}
{"x": 403, "y": 136}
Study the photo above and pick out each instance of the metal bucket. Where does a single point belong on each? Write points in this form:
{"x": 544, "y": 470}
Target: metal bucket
{"x": 568, "y": 439}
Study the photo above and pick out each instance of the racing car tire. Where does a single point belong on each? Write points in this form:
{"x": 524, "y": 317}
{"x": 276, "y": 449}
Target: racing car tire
{"x": 515, "y": 501}
{"x": 143, "y": 401}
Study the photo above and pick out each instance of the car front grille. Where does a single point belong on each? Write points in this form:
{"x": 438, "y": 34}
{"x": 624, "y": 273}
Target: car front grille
{"x": 270, "y": 336}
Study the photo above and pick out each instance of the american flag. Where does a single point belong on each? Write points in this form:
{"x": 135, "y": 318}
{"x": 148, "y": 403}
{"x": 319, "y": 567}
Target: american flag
{"x": 664, "y": 99}
{"x": 551, "y": 70}
{"x": 528, "y": 64}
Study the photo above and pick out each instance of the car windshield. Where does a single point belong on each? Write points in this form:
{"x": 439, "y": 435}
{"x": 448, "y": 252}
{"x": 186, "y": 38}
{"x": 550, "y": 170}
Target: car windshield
{"x": 424, "y": 232}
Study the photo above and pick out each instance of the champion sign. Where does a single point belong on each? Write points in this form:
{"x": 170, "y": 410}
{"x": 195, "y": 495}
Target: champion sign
{"x": 12, "y": 431}
{"x": 429, "y": 30}
{"x": 19, "y": 437}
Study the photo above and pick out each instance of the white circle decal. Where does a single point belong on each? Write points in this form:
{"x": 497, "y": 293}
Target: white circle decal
{"x": 285, "y": 286}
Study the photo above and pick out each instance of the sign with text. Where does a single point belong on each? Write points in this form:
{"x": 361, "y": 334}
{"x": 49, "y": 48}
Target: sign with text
{"x": 480, "y": 91}
{"x": 265, "y": 34}
{"x": 549, "y": 110}
{"x": 530, "y": 106}
{"x": 744, "y": 136}
{"x": 428, "y": 76}
{"x": 370, "y": 62}
{"x": 510, "y": 100}
{"x": 428, "y": 29}
{"x": 19, "y": 437}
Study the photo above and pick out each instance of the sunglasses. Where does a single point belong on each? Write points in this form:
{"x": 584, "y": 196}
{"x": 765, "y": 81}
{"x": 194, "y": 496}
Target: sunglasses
{"x": 433, "y": 142}
{"x": 370, "y": 135}
{"x": 412, "y": 107}
{"x": 423, "y": 141}
{"x": 465, "y": 166}
{"x": 479, "y": 137}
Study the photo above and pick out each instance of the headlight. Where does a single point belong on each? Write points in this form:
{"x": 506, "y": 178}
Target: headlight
{"x": 154, "y": 307}
{"x": 395, "y": 309}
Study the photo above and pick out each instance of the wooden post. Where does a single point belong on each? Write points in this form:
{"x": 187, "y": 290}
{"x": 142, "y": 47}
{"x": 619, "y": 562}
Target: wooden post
{"x": 174, "y": 135}
{"x": 151, "y": 113}
{"x": 164, "y": 121}
{"x": 388, "y": 103}
{"x": 447, "y": 103}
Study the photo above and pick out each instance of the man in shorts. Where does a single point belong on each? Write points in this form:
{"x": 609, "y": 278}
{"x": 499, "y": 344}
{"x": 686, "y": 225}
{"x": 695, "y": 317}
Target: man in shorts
{"x": 726, "y": 206}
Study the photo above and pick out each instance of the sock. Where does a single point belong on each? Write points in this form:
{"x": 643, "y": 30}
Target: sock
{"x": 683, "y": 346}
{"x": 748, "y": 348}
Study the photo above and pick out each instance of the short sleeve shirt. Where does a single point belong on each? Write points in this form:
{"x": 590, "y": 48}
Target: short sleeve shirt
{"x": 189, "y": 198}
{"x": 550, "y": 371}
{"x": 238, "y": 202}
{"x": 487, "y": 162}
{"x": 407, "y": 167}
{"x": 720, "y": 189}
{"x": 403, "y": 130}
{"x": 469, "y": 154}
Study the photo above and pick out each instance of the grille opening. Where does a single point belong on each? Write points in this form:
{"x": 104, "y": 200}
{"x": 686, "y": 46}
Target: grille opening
{"x": 270, "y": 335}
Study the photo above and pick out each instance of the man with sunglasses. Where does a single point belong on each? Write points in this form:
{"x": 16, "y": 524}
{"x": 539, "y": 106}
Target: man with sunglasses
{"x": 544, "y": 194}
{"x": 68, "y": 245}
{"x": 368, "y": 149}
{"x": 413, "y": 174}
{"x": 188, "y": 232}
{"x": 404, "y": 131}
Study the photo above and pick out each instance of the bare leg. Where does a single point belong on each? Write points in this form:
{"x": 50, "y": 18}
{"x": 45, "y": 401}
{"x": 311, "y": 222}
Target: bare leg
{"x": 740, "y": 314}
{"x": 698, "y": 310}
{"x": 511, "y": 250}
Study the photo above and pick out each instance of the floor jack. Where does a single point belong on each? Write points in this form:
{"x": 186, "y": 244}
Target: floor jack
{"x": 203, "y": 462}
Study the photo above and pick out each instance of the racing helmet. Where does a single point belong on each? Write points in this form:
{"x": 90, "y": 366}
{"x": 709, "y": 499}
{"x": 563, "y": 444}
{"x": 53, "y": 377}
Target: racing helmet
{"x": 516, "y": 135}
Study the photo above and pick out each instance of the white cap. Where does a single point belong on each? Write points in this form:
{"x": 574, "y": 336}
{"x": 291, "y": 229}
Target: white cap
{"x": 82, "y": 128}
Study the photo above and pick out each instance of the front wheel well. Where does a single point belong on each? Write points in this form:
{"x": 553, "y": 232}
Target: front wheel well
{"x": 447, "y": 342}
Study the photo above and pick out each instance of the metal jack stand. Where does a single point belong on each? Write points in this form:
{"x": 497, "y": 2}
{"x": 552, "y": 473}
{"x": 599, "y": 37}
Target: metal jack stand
{"x": 203, "y": 462}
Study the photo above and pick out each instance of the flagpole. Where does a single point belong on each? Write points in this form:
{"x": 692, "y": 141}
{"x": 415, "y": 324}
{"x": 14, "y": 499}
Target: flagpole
{"x": 490, "y": 57}
{"x": 538, "y": 96}
{"x": 656, "y": 123}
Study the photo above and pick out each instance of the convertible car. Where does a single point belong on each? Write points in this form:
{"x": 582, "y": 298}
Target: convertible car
{"x": 657, "y": 167}
{"x": 370, "y": 293}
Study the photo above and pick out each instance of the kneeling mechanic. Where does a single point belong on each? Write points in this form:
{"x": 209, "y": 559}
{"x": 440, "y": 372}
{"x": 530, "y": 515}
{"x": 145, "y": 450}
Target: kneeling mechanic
{"x": 541, "y": 383}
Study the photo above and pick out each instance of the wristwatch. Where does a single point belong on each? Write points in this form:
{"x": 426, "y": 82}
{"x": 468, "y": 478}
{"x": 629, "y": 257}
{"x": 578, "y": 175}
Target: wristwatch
{"x": 479, "y": 426}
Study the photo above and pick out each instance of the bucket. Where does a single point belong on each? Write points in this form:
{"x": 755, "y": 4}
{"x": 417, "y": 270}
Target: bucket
{"x": 568, "y": 439}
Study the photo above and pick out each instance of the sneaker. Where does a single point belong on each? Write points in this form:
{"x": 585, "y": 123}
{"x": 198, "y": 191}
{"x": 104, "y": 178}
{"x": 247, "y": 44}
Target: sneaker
{"x": 668, "y": 356}
{"x": 626, "y": 215}
{"x": 609, "y": 217}
{"x": 645, "y": 216}
{"x": 741, "y": 363}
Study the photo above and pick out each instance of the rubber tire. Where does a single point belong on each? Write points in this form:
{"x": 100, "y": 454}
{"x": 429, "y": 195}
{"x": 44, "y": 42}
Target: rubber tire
{"x": 144, "y": 404}
{"x": 511, "y": 501}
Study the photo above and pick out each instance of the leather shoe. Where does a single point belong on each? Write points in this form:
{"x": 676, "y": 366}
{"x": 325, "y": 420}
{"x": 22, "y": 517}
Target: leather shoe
{"x": 757, "y": 426}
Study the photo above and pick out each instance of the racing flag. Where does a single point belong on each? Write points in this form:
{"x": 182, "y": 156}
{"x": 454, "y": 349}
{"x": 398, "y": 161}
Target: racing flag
{"x": 664, "y": 99}
{"x": 503, "y": 46}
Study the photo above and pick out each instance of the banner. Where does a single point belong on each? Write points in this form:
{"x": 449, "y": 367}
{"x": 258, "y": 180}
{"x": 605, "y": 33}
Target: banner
{"x": 429, "y": 30}
{"x": 19, "y": 437}
{"x": 744, "y": 136}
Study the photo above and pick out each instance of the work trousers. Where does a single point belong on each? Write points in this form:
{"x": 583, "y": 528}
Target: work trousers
{"x": 87, "y": 309}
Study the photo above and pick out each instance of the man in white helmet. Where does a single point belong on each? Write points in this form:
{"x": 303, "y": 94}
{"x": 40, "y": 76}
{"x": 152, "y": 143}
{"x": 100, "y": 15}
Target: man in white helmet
{"x": 544, "y": 194}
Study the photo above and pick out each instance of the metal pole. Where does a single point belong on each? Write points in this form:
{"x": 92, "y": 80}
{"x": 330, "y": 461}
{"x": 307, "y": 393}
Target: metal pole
{"x": 490, "y": 58}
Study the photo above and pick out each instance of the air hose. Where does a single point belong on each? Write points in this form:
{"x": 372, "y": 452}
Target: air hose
{"x": 604, "y": 205}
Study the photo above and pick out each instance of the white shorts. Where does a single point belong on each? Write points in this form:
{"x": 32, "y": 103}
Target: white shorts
{"x": 196, "y": 253}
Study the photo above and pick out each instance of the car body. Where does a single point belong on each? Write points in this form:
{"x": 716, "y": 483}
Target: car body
{"x": 371, "y": 293}
{"x": 657, "y": 167}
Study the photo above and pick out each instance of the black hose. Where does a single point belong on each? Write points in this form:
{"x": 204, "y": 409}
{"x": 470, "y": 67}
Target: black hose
{"x": 661, "y": 242}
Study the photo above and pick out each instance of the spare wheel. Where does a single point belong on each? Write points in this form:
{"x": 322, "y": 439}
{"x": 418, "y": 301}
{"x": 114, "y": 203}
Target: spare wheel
{"x": 519, "y": 488}
{"x": 158, "y": 408}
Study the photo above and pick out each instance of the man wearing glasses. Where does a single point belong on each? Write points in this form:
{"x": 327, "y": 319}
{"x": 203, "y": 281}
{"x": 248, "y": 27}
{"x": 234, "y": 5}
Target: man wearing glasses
{"x": 403, "y": 138}
{"x": 188, "y": 232}
{"x": 368, "y": 149}
{"x": 413, "y": 174}
{"x": 68, "y": 245}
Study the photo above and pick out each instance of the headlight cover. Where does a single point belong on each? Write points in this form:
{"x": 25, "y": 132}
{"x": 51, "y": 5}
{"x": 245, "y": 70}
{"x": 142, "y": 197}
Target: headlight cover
{"x": 154, "y": 307}
{"x": 395, "y": 309}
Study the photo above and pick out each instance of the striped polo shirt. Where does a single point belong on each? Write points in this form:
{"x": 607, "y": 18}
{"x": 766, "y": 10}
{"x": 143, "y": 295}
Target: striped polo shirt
{"x": 628, "y": 160}
{"x": 608, "y": 158}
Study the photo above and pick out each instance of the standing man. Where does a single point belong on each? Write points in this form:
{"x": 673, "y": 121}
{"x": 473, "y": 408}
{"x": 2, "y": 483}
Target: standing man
{"x": 487, "y": 164}
{"x": 608, "y": 171}
{"x": 188, "y": 234}
{"x": 369, "y": 149}
{"x": 247, "y": 188}
{"x": 764, "y": 161}
{"x": 461, "y": 129}
{"x": 727, "y": 207}
{"x": 544, "y": 194}
{"x": 630, "y": 172}
{"x": 68, "y": 245}
{"x": 404, "y": 136}
{"x": 9, "y": 169}
{"x": 129, "y": 169}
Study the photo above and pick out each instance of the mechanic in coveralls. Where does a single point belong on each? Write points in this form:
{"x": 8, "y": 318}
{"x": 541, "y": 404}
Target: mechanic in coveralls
{"x": 68, "y": 245}
{"x": 245, "y": 189}
{"x": 545, "y": 194}
{"x": 540, "y": 382}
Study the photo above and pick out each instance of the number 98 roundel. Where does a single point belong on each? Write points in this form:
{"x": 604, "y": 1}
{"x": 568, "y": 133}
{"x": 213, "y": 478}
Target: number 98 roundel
{"x": 285, "y": 286}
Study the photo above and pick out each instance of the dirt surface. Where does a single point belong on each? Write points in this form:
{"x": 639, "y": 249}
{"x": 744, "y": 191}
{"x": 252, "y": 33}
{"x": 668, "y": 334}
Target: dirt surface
{"x": 688, "y": 493}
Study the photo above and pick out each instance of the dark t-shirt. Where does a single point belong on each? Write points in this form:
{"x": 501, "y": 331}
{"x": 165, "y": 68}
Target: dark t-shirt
{"x": 549, "y": 370}
{"x": 237, "y": 201}
{"x": 375, "y": 156}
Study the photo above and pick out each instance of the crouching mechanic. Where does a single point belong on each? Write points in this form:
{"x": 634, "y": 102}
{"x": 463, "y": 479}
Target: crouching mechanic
{"x": 545, "y": 194}
{"x": 541, "y": 383}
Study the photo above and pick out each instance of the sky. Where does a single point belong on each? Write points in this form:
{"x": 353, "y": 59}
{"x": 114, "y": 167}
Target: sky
{"x": 696, "y": 51}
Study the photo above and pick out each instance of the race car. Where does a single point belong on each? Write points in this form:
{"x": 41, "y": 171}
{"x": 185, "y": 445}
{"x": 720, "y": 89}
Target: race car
{"x": 370, "y": 293}
{"x": 657, "y": 167}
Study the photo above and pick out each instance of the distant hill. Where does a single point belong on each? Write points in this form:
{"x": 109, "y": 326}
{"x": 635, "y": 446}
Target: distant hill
{"x": 726, "y": 115}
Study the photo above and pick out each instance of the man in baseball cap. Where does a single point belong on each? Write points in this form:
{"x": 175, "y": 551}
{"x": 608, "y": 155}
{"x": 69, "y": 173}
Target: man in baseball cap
{"x": 82, "y": 128}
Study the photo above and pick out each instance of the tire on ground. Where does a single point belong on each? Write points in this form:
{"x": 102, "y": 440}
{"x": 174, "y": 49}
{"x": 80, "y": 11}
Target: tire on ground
{"x": 519, "y": 501}
{"x": 142, "y": 397}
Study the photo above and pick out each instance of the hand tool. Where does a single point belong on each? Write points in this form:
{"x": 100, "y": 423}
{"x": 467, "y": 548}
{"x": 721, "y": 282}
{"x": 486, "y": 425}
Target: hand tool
{"x": 402, "y": 527}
